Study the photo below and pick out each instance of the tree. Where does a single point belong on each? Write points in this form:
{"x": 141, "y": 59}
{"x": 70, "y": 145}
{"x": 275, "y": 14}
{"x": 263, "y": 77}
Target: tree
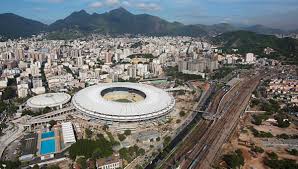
{"x": 46, "y": 110}
{"x": 293, "y": 152}
{"x": 88, "y": 133}
{"x": 88, "y": 148}
{"x": 272, "y": 155}
{"x": 234, "y": 160}
{"x": 166, "y": 140}
{"x": 82, "y": 162}
{"x": 8, "y": 93}
{"x": 282, "y": 122}
{"x": 121, "y": 137}
{"x": 257, "y": 149}
{"x": 52, "y": 123}
{"x": 105, "y": 127}
{"x": 35, "y": 166}
{"x": 127, "y": 132}
{"x": 182, "y": 113}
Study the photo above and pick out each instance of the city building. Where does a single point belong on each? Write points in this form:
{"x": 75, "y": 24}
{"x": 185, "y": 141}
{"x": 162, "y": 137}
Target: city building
{"x": 113, "y": 162}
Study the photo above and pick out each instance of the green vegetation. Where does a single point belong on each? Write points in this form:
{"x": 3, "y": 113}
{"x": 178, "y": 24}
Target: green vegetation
{"x": 65, "y": 35}
{"x": 280, "y": 164}
{"x": 88, "y": 133}
{"x": 146, "y": 56}
{"x": 36, "y": 113}
{"x": 130, "y": 153}
{"x": 271, "y": 107}
{"x": 258, "y": 119}
{"x": 82, "y": 162}
{"x": 174, "y": 74}
{"x": 112, "y": 139}
{"x": 43, "y": 76}
{"x": 166, "y": 140}
{"x": 222, "y": 72}
{"x": 68, "y": 70}
{"x": 286, "y": 48}
{"x": 234, "y": 160}
{"x": 260, "y": 134}
{"x": 105, "y": 127}
{"x": 99, "y": 148}
{"x": 52, "y": 123}
{"x": 286, "y": 136}
{"x": 10, "y": 164}
{"x": 123, "y": 101}
{"x": 291, "y": 109}
{"x": 293, "y": 152}
{"x": 182, "y": 113}
{"x": 282, "y": 121}
{"x": 257, "y": 149}
{"x": 272, "y": 155}
{"x": 127, "y": 132}
{"x": 9, "y": 93}
{"x": 2, "y": 126}
{"x": 121, "y": 137}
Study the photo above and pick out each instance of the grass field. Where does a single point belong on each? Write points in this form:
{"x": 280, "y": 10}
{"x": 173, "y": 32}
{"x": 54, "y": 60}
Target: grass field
{"x": 123, "y": 101}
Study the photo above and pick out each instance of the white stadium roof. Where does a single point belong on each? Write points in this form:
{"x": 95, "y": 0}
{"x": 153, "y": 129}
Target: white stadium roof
{"x": 68, "y": 134}
{"x": 157, "y": 103}
{"x": 48, "y": 100}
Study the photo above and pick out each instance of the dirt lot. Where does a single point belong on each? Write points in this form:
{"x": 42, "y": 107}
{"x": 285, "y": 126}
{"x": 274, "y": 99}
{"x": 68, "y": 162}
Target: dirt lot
{"x": 243, "y": 139}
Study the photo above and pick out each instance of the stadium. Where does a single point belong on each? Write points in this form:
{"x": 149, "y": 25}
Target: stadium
{"x": 51, "y": 100}
{"x": 123, "y": 102}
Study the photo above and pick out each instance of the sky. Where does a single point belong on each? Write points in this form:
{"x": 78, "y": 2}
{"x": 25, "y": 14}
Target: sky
{"x": 273, "y": 13}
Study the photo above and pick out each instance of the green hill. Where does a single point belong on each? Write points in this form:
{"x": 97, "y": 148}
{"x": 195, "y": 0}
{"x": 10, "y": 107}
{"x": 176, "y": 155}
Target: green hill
{"x": 286, "y": 48}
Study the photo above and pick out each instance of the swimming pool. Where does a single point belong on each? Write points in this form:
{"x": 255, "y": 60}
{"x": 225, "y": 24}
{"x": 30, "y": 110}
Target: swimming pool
{"x": 47, "y": 146}
{"x": 47, "y": 134}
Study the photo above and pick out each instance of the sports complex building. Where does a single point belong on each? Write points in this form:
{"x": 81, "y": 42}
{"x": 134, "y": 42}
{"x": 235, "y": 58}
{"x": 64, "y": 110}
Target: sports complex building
{"x": 52, "y": 100}
{"x": 123, "y": 102}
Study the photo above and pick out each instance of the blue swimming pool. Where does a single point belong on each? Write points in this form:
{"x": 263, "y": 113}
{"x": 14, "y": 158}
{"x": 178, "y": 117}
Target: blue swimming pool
{"x": 47, "y": 134}
{"x": 47, "y": 146}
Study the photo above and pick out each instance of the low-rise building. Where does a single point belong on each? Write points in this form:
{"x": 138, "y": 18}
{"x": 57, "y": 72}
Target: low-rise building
{"x": 112, "y": 162}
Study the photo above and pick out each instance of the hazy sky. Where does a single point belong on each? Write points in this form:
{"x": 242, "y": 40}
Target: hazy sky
{"x": 274, "y": 13}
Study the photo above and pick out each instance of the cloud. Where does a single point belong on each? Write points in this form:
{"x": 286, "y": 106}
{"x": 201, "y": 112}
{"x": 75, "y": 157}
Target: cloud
{"x": 126, "y": 3}
{"x": 40, "y": 9}
{"x": 148, "y": 6}
{"x": 112, "y": 2}
{"x": 96, "y": 5}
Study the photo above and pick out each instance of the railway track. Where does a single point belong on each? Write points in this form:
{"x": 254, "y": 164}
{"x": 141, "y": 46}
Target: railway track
{"x": 206, "y": 149}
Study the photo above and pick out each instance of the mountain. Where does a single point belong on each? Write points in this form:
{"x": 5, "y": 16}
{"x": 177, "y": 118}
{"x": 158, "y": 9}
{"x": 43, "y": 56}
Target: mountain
{"x": 286, "y": 48}
{"x": 217, "y": 28}
{"x": 14, "y": 26}
{"x": 261, "y": 29}
{"x": 119, "y": 21}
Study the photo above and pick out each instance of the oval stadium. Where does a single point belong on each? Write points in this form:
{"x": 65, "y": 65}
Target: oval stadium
{"x": 123, "y": 102}
{"x": 49, "y": 100}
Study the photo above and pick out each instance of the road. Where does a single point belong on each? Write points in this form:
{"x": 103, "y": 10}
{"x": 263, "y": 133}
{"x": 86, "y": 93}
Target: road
{"x": 10, "y": 135}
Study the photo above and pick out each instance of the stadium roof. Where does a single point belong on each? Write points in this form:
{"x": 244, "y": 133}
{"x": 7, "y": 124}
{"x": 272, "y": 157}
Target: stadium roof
{"x": 68, "y": 134}
{"x": 48, "y": 100}
{"x": 156, "y": 103}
